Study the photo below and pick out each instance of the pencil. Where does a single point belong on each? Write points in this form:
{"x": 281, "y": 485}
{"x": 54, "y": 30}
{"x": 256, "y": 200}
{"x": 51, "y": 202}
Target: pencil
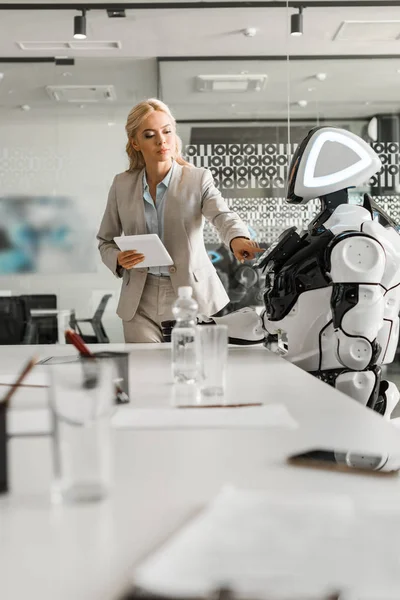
{"x": 27, "y": 368}
{"x": 220, "y": 405}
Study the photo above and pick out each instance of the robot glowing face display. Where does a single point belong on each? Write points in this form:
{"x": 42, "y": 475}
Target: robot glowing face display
{"x": 329, "y": 160}
{"x": 332, "y": 294}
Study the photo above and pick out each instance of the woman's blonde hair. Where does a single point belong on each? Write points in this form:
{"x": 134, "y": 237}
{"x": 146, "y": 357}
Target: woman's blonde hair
{"x": 133, "y": 122}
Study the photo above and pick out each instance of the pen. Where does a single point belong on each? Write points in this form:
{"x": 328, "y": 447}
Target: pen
{"x": 77, "y": 341}
{"x": 27, "y": 368}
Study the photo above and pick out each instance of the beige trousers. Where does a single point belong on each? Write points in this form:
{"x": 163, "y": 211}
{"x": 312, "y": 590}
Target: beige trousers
{"x": 154, "y": 306}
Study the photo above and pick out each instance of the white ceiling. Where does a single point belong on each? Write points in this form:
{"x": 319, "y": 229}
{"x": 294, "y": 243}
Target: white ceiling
{"x": 200, "y": 32}
{"x": 348, "y": 91}
{"x": 353, "y": 88}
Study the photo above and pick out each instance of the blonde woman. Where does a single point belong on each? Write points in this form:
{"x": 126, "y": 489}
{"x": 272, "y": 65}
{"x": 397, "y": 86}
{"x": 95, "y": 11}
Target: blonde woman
{"x": 162, "y": 193}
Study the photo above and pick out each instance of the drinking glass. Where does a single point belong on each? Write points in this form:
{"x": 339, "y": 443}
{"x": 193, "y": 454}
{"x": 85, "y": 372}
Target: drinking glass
{"x": 82, "y": 401}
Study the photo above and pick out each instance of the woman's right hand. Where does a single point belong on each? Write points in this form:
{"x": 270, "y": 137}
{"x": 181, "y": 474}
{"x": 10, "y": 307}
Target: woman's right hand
{"x": 129, "y": 259}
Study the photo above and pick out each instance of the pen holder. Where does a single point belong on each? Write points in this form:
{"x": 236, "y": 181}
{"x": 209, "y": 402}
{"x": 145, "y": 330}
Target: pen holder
{"x": 3, "y": 448}
{"x": 121, "y": 361}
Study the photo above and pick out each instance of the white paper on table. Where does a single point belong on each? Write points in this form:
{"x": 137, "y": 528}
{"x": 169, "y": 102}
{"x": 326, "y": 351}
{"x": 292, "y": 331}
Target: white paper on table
{"x": 278, "y": 547}
{"x": 269, "y": 415}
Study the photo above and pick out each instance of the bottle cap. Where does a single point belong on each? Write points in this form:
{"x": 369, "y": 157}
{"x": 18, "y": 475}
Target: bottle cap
{"x": 185, "y": 291}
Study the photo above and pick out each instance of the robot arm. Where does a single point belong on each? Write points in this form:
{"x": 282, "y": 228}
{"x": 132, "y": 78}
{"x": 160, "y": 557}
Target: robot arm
{"x": 357, "y": 264}
{"x": 244, "y": 326}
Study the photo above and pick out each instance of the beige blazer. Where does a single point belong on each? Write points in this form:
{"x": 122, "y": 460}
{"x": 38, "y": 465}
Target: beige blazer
{"x": 190, "y": 198}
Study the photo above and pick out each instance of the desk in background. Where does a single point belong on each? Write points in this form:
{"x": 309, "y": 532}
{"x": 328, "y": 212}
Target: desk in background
{"x": 63, "y": 319}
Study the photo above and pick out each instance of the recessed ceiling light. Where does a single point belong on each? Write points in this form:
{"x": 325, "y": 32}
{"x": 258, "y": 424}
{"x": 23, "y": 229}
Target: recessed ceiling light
{"x": 249, "y": 31}
{"x": 231, "y": 83}
{"x": 25, "y": 107}
{"x": 311, "y": 89}
{"x": 302, "y": 103}
{"x": 321, "y": 76}
{"x": 116, "y": 13}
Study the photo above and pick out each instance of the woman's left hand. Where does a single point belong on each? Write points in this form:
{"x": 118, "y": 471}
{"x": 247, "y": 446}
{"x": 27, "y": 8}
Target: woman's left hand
{"x": 245, "y": 249}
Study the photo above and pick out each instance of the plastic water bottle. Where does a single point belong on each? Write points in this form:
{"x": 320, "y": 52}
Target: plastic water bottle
{"x": 184, "y": 309}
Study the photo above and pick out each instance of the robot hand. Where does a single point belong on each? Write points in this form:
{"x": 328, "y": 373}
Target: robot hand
{"x": 244, "y": 326}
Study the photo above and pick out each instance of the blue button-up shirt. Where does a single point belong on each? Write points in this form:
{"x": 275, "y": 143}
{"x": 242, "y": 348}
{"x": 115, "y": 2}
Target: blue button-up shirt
{"x": 154, "y": 213}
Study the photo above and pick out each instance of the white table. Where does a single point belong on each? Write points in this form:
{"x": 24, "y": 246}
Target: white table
{"x": 254, "y": 375}
{"x": 164, "y": 476}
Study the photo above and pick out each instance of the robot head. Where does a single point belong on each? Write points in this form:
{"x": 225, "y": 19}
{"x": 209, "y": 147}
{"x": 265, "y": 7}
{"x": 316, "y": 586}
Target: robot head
{"x": 329, "y": 160}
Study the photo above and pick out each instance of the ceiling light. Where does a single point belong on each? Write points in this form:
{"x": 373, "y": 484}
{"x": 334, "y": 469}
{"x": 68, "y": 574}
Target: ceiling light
{"x": 321, "y": 76}
{"x": 231, "y": 83}
{"x": 296, "y": 23}
{"x": 116, "y": 13}
{"x": 25, "y": 107}
{"x": 249, "y": 31}
{"x": 80, "y": 26}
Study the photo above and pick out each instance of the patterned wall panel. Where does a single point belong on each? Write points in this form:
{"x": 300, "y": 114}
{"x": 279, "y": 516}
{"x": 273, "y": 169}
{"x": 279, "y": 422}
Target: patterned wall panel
{"x": 252, "y": 179}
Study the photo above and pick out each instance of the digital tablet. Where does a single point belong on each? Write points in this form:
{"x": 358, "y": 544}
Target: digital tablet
{"x": 150, "y": 245}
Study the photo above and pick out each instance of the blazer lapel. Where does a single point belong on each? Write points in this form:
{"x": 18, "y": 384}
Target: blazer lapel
{"x": 135, "y": 204}
{"x": 172, "y": 207}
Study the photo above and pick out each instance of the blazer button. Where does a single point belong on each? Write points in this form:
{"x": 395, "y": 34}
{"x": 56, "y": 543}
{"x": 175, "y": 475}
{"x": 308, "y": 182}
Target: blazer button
{"x": 172, "y": 269}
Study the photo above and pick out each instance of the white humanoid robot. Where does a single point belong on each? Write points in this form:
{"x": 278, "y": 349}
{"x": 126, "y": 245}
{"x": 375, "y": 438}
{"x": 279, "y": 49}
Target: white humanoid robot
{"x": 332, "y": 294}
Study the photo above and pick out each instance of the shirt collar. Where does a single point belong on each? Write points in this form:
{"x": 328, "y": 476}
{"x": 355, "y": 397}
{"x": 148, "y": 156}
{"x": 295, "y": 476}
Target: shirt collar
{"x": 165, "y": 182}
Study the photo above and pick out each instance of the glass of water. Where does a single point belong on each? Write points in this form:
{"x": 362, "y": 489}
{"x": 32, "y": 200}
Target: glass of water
{"x": 82, "y": 402}
{"x": 212, "y": 358}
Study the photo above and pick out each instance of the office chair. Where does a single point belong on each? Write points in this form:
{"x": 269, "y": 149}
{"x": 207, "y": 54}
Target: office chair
{"x": 16, "y": 325}
{"x": 100, "y": 336}
{"x": 46, "y": 326}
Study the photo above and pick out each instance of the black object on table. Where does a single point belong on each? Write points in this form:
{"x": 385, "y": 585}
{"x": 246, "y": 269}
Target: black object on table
{"x": 121, "y": 360}
{"x": 3, "y": 449}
